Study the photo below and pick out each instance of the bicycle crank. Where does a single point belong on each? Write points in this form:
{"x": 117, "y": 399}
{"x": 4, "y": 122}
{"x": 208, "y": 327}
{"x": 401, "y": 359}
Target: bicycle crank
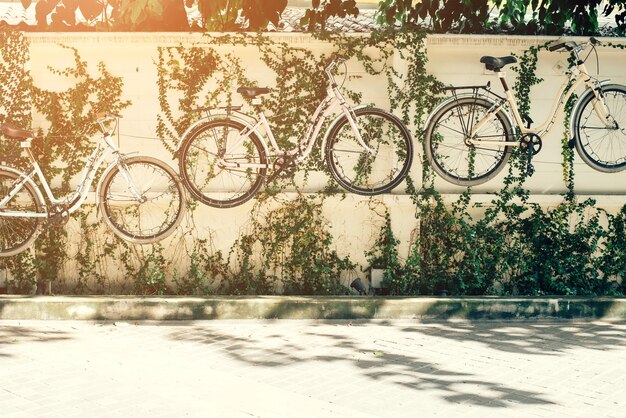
{"x": 284, "y": 167}
{"x": 60, "y": 217}
{"x": 532, "y": 142}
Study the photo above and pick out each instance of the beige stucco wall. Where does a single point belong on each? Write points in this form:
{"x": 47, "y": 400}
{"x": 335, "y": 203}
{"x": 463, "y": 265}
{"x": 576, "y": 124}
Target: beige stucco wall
{"x": 453, "y": 59}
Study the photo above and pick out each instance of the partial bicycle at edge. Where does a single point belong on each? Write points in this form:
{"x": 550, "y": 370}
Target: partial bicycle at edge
{"x": 470, "y": 135}
{"x": 141, "y": 199}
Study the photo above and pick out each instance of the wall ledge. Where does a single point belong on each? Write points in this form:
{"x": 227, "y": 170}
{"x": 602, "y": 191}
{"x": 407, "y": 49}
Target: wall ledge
{"x": 175, "y": 38}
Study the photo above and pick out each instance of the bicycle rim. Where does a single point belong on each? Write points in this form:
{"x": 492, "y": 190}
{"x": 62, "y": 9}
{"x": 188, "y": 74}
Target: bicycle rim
{"x": 17, "y": 234}
{"x": 209, "y": 159}
{"x": 448, "y": 152}
{"x": 159, "y": 208}
{"x": 602, "y": 147}
{"x": 360, "y": 171}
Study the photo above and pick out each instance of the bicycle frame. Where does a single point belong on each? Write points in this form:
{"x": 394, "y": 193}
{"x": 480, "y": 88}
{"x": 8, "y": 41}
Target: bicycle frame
{"x": 304, "y": 148}
{"x": 577, "y": 75}
{"x": 105, "y": 148}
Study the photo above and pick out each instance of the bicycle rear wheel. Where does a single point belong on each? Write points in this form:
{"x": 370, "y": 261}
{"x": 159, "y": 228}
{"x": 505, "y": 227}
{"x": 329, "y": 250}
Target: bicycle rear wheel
{"x": 450, "y": 155}
{"x": 157, "y": 211}
{"x": 17, "y": 234}
{"x": 602, "y": 147}
{"x": 360, "y": 172}
{"x": 208, "y": 160}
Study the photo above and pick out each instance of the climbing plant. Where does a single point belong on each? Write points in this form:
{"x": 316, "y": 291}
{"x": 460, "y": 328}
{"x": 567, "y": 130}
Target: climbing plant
{"x": 287, "y": 246}
{"x": 320, "y": 11}
{"x": 510, "y": 245}
{"x": 15, "y": 101}
{"x": 294, "y": 250}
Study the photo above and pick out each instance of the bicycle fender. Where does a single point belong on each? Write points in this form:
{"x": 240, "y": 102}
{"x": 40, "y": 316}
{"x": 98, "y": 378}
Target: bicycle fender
{"x": 30, "y": 181}
{"x": 193, "y": 126}
{"x": 335, "y": 122}
{"x": 581, "y": 99}
{"x": 463, "y": 96}
{"x": 218, "y": 116}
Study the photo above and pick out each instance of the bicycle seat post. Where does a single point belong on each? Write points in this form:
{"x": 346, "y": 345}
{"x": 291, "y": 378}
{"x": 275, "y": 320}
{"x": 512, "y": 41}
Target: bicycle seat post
{"x": 502, "y": 76}
{"x": 26, "y": 149}
{"x": 257, "y": 104}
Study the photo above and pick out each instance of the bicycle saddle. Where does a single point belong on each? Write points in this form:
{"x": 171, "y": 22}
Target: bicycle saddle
{"x": 252, "y": 92}
{"x": 15, "y": 133}
{"x": 496, "y": 64}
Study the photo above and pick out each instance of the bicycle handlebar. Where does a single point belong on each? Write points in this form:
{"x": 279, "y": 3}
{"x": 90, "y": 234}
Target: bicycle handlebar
{"x": 102, "y": 118}
{"x": 334, "y": 60}
{"x": 565, "y": 45}
{"x": 106, "y": 116}
{"x": 571, "y": 45}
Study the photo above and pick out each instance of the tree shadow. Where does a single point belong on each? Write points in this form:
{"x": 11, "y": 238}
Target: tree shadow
{"x": 12, "y": 336}
{"x": 405, "y": 370}
{"x": 539, "y": 338}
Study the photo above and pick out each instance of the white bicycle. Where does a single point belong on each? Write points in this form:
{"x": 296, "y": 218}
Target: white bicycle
{"x": 224, "y": 159}
{"x": 141, "y": 198}
{"x": 470, "y": 136}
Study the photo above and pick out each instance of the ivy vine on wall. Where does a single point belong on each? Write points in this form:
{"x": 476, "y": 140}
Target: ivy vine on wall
{"x": 288, "y": 246}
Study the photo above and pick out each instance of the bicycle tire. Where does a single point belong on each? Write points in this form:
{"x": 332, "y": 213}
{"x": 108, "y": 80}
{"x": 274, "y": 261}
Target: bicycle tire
{"x": 17, "y": 234}
{"x": 156, "y": 215}
{"x": 354, "y": 168}
{"x": 439, "y": 146}
{"x": 591, "y": 135}
{"x": 199, "y": 159}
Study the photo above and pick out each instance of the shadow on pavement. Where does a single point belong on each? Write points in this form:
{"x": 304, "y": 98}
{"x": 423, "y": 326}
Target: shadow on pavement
{"x": 12, "y": 336}
{"x": 374, "y": 361}
{"x": 547, "y": 338}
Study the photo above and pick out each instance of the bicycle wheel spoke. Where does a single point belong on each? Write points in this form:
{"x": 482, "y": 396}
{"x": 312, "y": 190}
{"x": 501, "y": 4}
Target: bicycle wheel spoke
{"x": 372, "y": 171}
{"x": 215, "y": 164}
{"x": 601, "y": 146}
{"x": 450, "y": 151}
{"x": 449, "y": 128}
{"x": 155, "y": 212}
{"x": 16, "y": 233}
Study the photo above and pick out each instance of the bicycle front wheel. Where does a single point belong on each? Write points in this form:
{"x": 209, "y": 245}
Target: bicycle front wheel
{"x": 142, "y": 200}
{"x": 17, "y": 233}
{"x": 363, "y": 172}
{"x": 602, "y": 147}
{"x": 221, "y": 167}
{"x": 453, "y": 157}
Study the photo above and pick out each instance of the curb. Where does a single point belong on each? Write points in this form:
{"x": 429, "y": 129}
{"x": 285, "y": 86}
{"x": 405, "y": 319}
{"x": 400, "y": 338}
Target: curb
{"x": 289, "y": 307}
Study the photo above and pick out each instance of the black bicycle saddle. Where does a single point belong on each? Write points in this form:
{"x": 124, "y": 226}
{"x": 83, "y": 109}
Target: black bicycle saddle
{"x": 252, "y": 92}
{"x": 496, "y": 64}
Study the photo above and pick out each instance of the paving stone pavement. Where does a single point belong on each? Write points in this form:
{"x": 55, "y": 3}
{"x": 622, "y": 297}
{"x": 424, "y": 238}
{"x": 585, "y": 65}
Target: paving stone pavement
{"x": 316, "y": 368}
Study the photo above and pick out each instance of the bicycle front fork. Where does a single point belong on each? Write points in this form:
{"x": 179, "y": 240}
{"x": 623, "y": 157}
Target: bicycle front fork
{"x": 602, "y": 110}
{"x": 123, "y": 168}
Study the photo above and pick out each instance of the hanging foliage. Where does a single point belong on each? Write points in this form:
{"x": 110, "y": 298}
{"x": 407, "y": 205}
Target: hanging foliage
{"x": 550, "y": 17}
{"x": 316, "y": 17}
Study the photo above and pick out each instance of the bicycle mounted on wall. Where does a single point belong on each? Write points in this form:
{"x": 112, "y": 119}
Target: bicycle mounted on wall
{"x": 224, "y": 157}
{"x": 470, "y": 135}
{"x": 141, "y": 198}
